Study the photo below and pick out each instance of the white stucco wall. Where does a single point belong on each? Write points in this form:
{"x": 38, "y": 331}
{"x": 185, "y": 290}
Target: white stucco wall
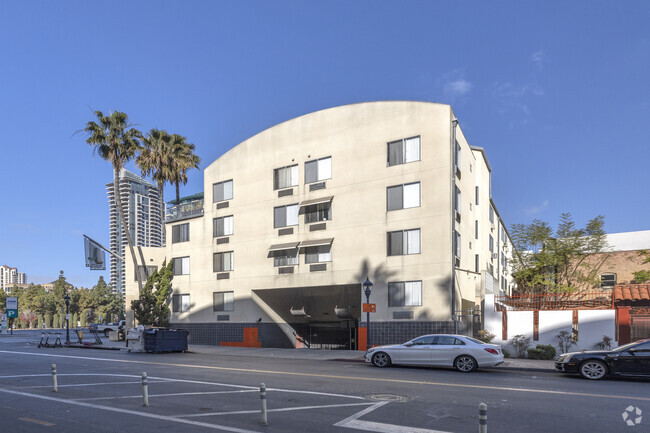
{"x": 593, "y": 325}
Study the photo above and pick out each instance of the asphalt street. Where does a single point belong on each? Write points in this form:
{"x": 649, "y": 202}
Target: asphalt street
{"x": 101, "y": 391}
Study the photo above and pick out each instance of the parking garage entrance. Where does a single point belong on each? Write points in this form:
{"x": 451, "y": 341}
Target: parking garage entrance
{"x": 323, "y": 317}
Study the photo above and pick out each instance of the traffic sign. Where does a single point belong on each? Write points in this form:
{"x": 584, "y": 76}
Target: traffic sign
{"x": 12, "y": 306}
{"x": 369, "y": 308}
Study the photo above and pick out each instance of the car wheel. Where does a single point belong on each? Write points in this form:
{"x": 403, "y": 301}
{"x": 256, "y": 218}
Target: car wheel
{"x": 593, "y": 369}
{"x": 381, "y": 359}
{"x": 106, "y": 332}
{"x": 465, "y": 364}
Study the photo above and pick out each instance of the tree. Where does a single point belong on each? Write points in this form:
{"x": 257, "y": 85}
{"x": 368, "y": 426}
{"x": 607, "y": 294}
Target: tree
{"x": 183, "y": 159}
{"x": 115, "y": 141}
{"x": 642, "y": 276}
{"x": 156, "y": 160}
{"x": 545, "y": 261}
{"x": 151, "y": 308}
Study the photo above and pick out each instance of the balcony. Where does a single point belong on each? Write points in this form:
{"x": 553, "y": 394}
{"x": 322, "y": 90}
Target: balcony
{"x": 185, "y": 210}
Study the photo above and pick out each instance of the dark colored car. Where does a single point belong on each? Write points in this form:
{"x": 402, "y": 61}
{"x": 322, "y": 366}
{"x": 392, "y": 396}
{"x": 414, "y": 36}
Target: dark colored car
{"x": 629, "y": 360}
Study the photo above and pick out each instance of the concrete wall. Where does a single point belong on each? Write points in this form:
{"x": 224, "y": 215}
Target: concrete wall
{"x": 592, "y": 325}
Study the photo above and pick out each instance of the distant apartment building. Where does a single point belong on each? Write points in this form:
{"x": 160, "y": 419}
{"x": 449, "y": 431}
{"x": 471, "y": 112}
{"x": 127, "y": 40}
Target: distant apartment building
{"x": 10, "y": 276}
{"x": 295, "y": 218}
{"x": 142, "y": 211}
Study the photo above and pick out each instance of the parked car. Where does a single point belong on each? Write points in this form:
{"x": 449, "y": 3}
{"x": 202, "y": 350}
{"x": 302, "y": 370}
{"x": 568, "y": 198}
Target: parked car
{"x": 629, "y": 360}
{"x": 463, "y": 353}
{"x": 105, "y": 329}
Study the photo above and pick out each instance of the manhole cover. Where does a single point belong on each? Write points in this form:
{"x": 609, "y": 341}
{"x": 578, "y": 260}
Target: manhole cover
{"x": 387, "y": 397}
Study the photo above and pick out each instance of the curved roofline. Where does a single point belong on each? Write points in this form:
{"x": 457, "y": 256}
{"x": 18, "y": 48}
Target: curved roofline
{"x": 327, "y": 109}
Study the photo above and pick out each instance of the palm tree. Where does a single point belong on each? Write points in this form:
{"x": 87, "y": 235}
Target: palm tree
{"x": 155, "y": 161}
{"x": 183, "y": 158}
{"x": 115, "y": 141}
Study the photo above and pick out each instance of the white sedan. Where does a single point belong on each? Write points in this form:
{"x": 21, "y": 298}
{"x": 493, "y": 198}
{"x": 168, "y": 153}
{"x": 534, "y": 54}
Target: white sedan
{"x": 465, "y": 354}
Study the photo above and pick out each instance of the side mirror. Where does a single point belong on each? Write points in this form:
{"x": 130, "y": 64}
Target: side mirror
{"x": 409, "y": 344}
{"x": 632, "y": 350}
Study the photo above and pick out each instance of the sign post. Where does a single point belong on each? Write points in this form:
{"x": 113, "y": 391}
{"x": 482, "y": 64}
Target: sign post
{"x": 12, "y": 309}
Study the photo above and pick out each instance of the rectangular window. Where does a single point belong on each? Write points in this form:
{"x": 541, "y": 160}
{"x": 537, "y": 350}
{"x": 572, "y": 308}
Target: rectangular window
{"x": 403, "y": 196}
{"x": 405, "y": 294}
{"x": 503, "y": 234}
{"x": 476, "y": 263}
{"x": 607, "y": 281}
{"x": 285, "y": 216}
{"x": 222, "y": 191}
{"x": 318, "y": 169}
{"x": 150, "y": 270}
{"x": 476, "y": 196}
{"x": 223, "y": 226}
{"x": 318, "y": 254}
{"x": 180, "y": 303}
{"x": 475, "y": 229}
{"x": 181, "y": 266}
{"x": 491, "y": 215}
{"x": 403, "y": 242}
{"x": 180, "y": 233}
{"x": 457, "y": 159}
{"x": 223, "y": 301}
{"x": 457, "y": 201}
{"x": 457, "y": 245}
{"x": 222, "y": 262}
{"x": 318, "y": 212}
{"x": 285, "y": 257}
{"x": 403, "y": 151}
{"x": 491, "y": 244}
{"x": 285, "y": 177}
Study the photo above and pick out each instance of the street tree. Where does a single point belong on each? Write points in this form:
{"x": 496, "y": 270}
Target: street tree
{"x": 156, "y": 160}
{"x": 183, "y": 159}
{"x": 642, "y": 276}
{"x": 116, "y": 141}
{"x": 152, "y": 307}
{"x": 558, "y": 261}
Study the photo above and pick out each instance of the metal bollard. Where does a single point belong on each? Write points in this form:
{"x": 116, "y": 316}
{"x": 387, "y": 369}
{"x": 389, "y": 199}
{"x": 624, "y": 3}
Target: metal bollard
{"x": 145, "y": 390}
{"x": 264, "y": 420}
{"x": 55, "y": 387}
{"x": 482, "y": 418}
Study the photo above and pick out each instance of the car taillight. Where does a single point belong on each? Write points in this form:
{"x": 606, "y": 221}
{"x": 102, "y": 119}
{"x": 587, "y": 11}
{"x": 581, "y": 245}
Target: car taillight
{"x": 492, "y": 351}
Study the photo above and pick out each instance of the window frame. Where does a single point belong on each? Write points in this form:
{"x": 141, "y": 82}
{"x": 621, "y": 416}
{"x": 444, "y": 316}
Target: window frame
{"x": 286, "y": 222}
{"x": 404, "y": 242}
{"x": 182, "y": 262}
{"x": 224, "y": 302}
{"x": 322, "y": 257}
{"x": 177, "y": 233}
{"x": 278, "y": 258}
{"x": 293, "y": 182}
{"x": 608, "y": 274}
{"x": 402, "y": 286}
{"x": 223, "y": 190}
{"x": 319, "y": 176}
{"x": 215, "y": 226}
{"x": 222, "y": 262}
{"x": 321, "y": 209}
{"x": 402, "y": 187}
{"x": 402, "y": 142}
{"x": 178, "y": 303}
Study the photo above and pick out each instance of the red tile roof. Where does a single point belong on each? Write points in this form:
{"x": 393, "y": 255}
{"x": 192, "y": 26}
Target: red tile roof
{"x": 631, "y": 292}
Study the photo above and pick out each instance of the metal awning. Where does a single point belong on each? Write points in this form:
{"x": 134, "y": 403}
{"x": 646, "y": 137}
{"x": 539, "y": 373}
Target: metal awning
{"x": 316, "y": 201}
{"x": 316, "y": 243}
{"x": 281, "y": 247}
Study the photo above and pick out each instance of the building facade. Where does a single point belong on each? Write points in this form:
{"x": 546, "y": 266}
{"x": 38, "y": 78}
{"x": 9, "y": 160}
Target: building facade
{"x": 142, "y": 211}
{"x": 10, "y": 276}
{"x": 295, "y": 218}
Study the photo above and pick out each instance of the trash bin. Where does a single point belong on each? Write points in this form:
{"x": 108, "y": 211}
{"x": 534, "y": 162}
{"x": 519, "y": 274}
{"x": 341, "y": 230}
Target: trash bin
{"x": 165, "y": 340}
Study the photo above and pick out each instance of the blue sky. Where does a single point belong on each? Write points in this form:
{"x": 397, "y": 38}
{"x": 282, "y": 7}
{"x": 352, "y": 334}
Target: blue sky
{"x": 556, "y": 92}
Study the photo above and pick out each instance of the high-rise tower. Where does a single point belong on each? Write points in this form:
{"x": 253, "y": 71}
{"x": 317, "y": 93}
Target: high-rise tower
{"x": 142, "y": 212}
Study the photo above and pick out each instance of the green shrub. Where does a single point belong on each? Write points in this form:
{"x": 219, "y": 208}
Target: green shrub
{"x": 506, "y": 354}
{"x": 605, "y": 344}
{"x": 521, "y": 343}
{"x": 542, "y": 351}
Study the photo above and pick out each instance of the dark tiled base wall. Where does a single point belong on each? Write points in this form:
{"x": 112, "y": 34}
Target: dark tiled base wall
{"x": 398, "y": 332}
{"x": 269, "y": 334}
{"x": 274, "y": 335}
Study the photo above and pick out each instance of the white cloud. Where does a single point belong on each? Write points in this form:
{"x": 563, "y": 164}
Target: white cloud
{"x": 459, "y": 87}
{"x": 534, "y": 210}
{"x": 538, "y": 58}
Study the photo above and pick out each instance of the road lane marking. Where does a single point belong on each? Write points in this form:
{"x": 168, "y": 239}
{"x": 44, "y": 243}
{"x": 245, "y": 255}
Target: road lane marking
{"x": 37, "y": 421}
{"x": 128, "y": 412}
{"x": 177, "y": 394}
{"x": 284, "y": 409}
{"x": 72, "y": 385}
{"x": 350, "y": 378}
{"x": 354, "y": 422}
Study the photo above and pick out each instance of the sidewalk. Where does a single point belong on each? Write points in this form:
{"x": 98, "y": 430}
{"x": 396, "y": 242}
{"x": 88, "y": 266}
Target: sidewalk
{"x": 321, "y": 355}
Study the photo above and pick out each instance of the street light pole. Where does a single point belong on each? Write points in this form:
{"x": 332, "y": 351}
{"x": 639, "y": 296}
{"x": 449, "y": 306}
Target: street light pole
{"x": 67, "y": 320}
{"x": 367, "y": 288}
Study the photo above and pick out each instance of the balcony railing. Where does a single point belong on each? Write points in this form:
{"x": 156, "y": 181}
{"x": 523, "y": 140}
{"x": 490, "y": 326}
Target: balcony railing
{"x": 182, "y": 211}
{"x": 555, "y": 301}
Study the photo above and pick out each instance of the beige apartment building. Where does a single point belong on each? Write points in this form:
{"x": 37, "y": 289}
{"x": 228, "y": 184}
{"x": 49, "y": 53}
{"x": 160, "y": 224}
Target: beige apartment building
{"x": 294, "y": 219}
